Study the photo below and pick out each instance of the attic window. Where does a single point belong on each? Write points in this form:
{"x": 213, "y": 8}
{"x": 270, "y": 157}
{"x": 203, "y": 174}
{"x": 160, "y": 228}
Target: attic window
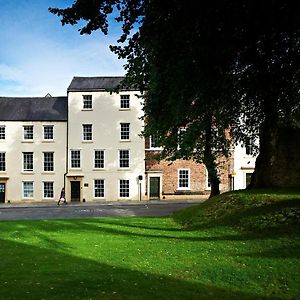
{"x": 28, "y": 132}
{"x": 125, "y": 102}
{"x": 87, "y": 102}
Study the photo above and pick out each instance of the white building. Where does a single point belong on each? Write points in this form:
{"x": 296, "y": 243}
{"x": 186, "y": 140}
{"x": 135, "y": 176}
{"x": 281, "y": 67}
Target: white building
{"x": 33, "y": 143}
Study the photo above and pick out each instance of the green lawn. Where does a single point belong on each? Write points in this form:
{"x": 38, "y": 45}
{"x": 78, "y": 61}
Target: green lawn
{"x": 216, "y": 255}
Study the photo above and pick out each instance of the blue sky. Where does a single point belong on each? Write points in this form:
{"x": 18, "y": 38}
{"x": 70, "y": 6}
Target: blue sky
{"x": 39, "y": 56}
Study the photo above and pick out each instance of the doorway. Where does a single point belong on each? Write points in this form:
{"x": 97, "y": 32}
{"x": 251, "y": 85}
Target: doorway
{"x": 75, "y": 191}
{"x": 2, "y": 192}
{"x": 154, "y": 188}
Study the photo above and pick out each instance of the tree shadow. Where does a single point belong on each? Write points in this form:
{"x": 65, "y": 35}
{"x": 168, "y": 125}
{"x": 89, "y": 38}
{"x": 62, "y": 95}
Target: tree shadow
{"x": 30, "y": 272}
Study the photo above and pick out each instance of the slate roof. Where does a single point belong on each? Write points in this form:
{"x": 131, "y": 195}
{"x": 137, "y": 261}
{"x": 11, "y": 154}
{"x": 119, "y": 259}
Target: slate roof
{"x": 33, "y": 108}
{"x": 94, "y": 83}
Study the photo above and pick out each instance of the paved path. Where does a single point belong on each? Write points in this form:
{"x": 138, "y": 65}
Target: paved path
{"x": 88, "y": 210}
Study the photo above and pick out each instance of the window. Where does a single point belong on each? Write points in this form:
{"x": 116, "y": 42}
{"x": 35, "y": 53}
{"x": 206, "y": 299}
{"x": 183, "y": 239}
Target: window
{"x": 28, "y": 161}
{"x": 125, "y": 101}
{"x": 183, "y": 179}
{"x": 75, "y": 158}
{"x": 248, "y": 179}
{"x": 48, "y": 189}
{"x": 27, "y": 189}
{"x": 87, "y": 102}
{"x": 2, "y": 161}
{"x": 154, "y": 141}
{"x": 125, "y": 131}
{"x": 249, "y": 146}
{"x": 87, "y": 132}
{"x": 99, "y": 159}
{"x": 2, "y": 132}
{"x": 28, "y": 132}
{"x": 48, "y": 161}
{"x": 124, "y": 158}
{"x": 124, "y": 188}
{"x": 99, "y": 188}
{"x": 48, "y": 132}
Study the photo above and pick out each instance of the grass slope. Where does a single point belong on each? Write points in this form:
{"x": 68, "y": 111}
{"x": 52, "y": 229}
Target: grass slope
{"x": 200, "y": 254}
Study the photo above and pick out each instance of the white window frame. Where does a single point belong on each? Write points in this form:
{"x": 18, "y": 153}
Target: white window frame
{"x": 95, "y": 167}
{"x": 3, "y": 162}
{"x": 48, "y": 162}
{"x": 124, "y": 197}
{"x": 2, "y": 132}
{"x": 23, "y": 161}
{"x": 150, "y": 145}
{"x": 44, "y": 190}
{"x": 23, "y": 189}
{"x": 86, "y": 134}
{"x": 121, "y": 167}
{"x": 99, "y": 197}
{"x": 24, "y": 133}
{"x": 87, "y": 99}
{"x": 124, "y": 99}
{"x": 77, "y": 150}
{"x": 179, "y": 178}
{"x": 125, "y": 132}
{"x": 44, "y": 132}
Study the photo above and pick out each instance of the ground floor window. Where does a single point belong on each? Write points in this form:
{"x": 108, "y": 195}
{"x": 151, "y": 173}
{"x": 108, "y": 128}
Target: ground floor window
{"x": 124, "y": 188}
{"x": 248, "y": 178}
{"x": 99, "y": 188}
{"x": 183, "y": 178}
{"x": 48, "y": 189}
{"x": 28, "y": 189}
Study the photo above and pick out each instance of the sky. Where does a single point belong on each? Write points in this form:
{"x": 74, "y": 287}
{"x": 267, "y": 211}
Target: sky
{"x": 38, "y": 55}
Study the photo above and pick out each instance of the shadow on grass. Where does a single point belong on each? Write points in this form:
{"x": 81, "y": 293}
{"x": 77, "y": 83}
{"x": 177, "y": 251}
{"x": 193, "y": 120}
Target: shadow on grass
{"x": 30, "y": 272}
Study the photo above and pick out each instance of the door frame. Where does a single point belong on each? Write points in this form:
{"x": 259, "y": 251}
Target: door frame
{"x": 80, "y": 193}
{"x": 4, "y": 182}
{"x": 154, "y": 174}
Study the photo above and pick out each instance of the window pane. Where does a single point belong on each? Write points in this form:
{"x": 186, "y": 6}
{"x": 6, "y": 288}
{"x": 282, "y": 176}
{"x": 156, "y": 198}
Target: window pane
{"x": 48, "y": 132}
{"x": 87, "y": 101}
{"x": 125, "y": 131}
{"x": 124, "y": 101}
{"x": 99, "y": 188}
{"x": 99, "y": 159}
{"x": 87, "y": 132}
{"x": 183, "y": 178}
{"x": 2, "y": 132}
{"x": 2, "y": 161}
{"x": 28, "y": 189}
{"x": 28, "y": 132}
{"x": 124, "y": 158}
{"x": 48, "y": 161}
{"x": 75, "y": 158}
{"x": 28, "y": 161}
{"x": 124, "y": 188}
{"x": 48, "y": 190}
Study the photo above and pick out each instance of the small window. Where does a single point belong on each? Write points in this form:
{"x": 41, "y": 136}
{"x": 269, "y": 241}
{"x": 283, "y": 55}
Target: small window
{"x": 87, "y": 132}
{"x": 154, "y": 142}
{"x": 99, "y": 159}
{"x": 125, "y": 131}
{"x": 48, "y": 133}
{"x": 2, "y": 132}
{"x": 27, "y": 161}
{"x": 28, "y": 132}
{"x": 28, "y": 189}
{"x": 48, "y": 189}
{"x": 48, "y": 161}
{"x": 87, "y": 102}
{"x": 75, "y": 159}
{"x": 124, "y": 101}
{"x": 2, "y": 162}
{"x": 183, "y": 179}
{"x": 124, "y": 188}
{"x": 124, "y": 158}
{"x": 248, "y": 179}
{"x": 99, "y": 188}
{"x": 249, "y": 146}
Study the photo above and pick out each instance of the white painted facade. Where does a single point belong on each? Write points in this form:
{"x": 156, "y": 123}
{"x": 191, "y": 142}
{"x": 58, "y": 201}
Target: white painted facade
{"x": 104, "y": 118}
{"x": 244, "y": 164}
{"x": 14, "y": 146}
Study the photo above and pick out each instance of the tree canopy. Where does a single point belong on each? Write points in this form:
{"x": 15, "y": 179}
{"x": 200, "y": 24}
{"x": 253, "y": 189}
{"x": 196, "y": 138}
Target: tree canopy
{"x": 207, "y": 67}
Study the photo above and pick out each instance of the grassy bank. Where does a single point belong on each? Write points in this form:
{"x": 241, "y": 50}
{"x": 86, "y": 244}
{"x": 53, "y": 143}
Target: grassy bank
{"x": 198, "y": 253}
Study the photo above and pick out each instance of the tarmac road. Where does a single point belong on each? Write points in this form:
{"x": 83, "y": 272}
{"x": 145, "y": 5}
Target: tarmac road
{"x": 84, "y": 210}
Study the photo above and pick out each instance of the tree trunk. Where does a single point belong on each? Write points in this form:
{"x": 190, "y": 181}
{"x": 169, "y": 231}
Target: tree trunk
{"x": 210, "y": 162}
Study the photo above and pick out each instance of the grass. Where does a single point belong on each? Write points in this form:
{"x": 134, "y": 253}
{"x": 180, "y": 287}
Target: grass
{"x": 236, "y": 246}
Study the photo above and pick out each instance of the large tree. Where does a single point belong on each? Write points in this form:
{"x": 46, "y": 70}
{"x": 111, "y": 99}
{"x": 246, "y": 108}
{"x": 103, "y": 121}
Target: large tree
{"x": 207, "y": 67}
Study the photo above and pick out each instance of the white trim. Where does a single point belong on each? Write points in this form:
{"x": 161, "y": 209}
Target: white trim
{"x": 43, "y": 190}
{"x": 94, "y": 158}
{"x": 27, "y": 171}
{"x": 104, "y": 188}
{"x": 48, "y": 140}
{"x": 92, "y": 133}
{"x": 70, "y": 158}
{"x": 23, "y": 197}
{"x": 119, "y": 186}
{"x": 119, "y": 161}
{"x": 189, "y": 179}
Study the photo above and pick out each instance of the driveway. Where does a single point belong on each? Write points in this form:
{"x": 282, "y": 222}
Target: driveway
{"x": 90, "y": 210}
